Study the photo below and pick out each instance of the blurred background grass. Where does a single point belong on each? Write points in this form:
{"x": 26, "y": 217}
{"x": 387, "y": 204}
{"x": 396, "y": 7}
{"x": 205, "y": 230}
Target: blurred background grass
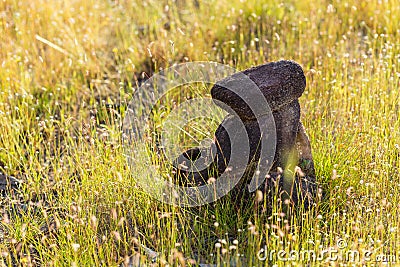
{"x": 61, "y": 61}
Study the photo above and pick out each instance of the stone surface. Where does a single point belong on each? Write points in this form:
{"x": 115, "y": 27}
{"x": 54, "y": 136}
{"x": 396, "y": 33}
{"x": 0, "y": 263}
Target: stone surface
{"x": 281, "y": 83}
{"x": 7, "y": 184}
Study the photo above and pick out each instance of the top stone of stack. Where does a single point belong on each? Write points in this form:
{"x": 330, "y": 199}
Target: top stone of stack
{"x": 280, "y": 82}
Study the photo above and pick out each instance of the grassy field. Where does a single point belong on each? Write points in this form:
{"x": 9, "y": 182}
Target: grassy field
{"x": 79, "y": 205}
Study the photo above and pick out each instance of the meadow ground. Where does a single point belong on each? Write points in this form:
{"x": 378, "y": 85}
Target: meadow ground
{"x": 79, "y": 205}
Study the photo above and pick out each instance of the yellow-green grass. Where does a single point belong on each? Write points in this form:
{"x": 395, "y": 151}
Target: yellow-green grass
{"x": 62, "y": 59}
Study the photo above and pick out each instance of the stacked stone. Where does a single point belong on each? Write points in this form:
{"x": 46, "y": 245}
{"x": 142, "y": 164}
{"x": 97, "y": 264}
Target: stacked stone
{"x": 292, "y": 172}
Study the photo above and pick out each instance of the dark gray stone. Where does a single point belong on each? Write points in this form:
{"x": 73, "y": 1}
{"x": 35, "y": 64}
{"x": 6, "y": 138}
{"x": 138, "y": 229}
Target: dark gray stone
{"x": 8, "y": 184}
{"x": 282, "y": 83}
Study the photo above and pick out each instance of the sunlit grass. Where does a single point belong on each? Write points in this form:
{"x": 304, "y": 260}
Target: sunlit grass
{"x": 62, "y": 61}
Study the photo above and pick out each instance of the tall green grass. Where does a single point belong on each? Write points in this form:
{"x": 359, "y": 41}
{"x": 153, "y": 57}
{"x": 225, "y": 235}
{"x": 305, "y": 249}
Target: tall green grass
{"x": 61, "y": 61}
